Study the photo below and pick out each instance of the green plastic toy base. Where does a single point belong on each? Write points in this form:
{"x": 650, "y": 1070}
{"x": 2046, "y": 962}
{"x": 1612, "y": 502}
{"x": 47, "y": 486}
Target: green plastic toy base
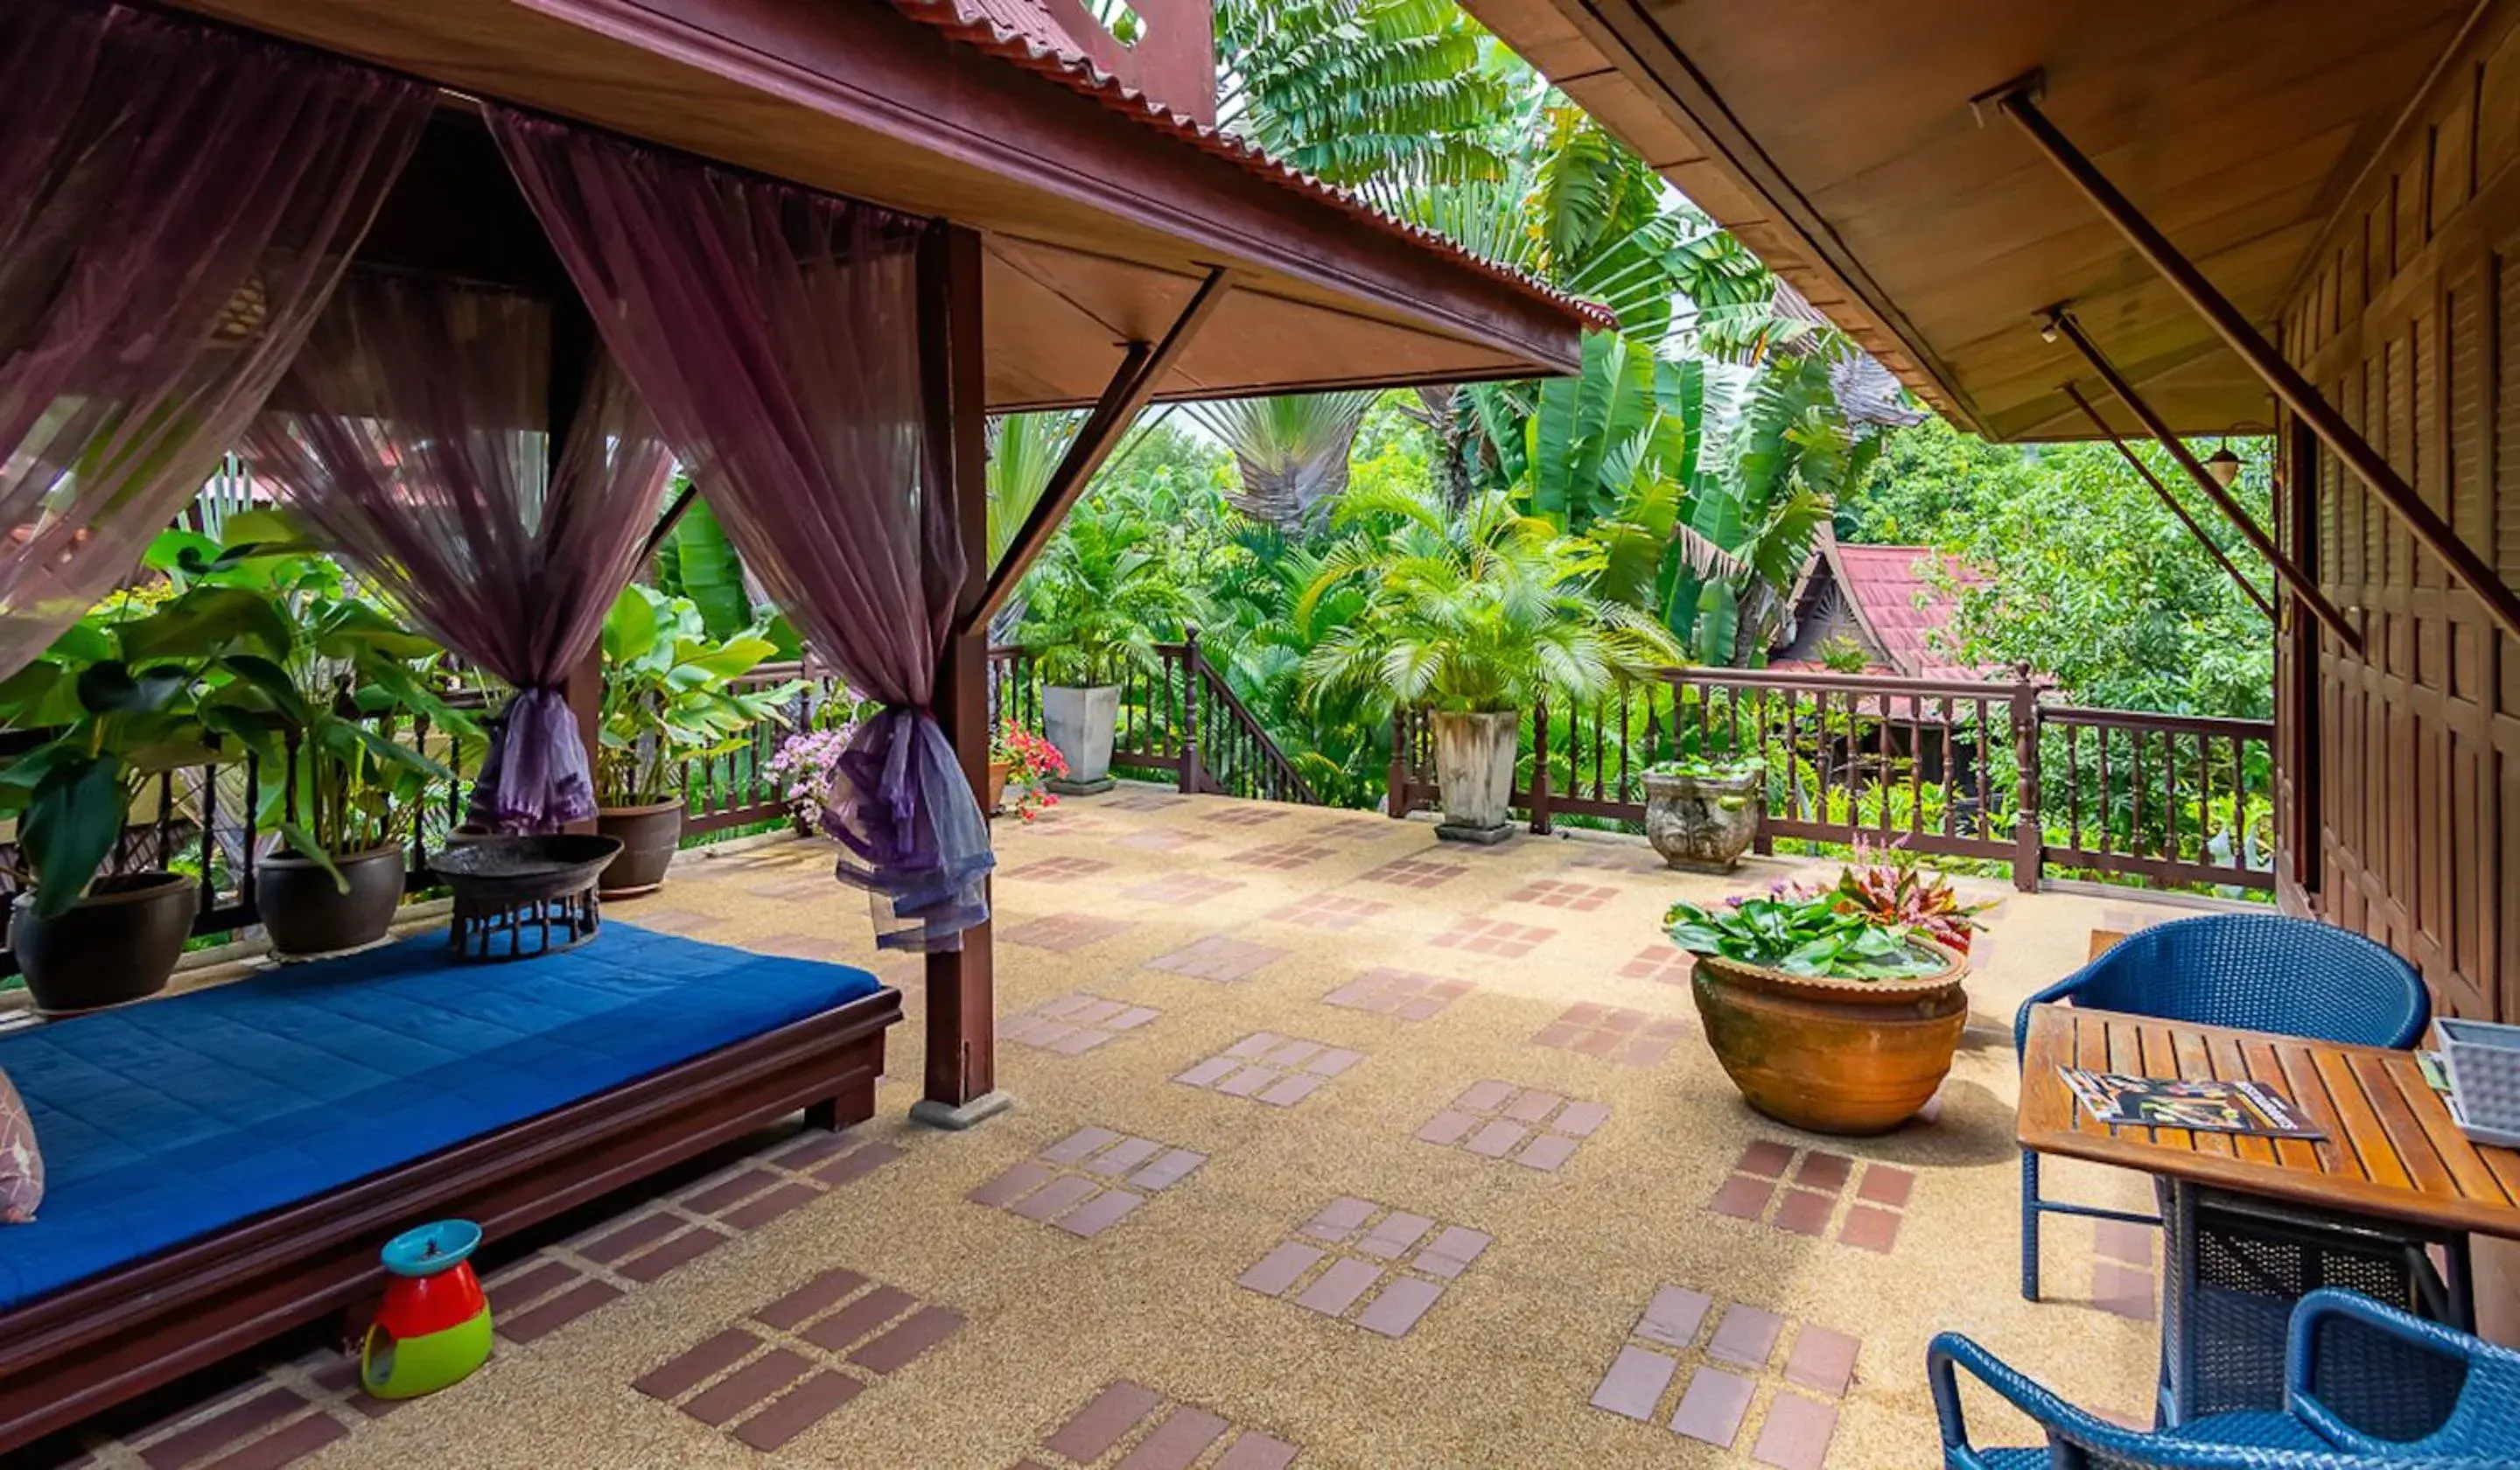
{"x": 417, "y": 1365}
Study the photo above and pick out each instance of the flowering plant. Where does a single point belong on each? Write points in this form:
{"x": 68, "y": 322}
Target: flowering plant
{"x": 1030, "y": 759}
{"x": 803, "y": 766}
{"x": 1888, "y": 886}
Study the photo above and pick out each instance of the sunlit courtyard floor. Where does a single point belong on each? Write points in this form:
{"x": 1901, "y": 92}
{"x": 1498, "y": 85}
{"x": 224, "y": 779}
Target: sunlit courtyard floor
{"x": 1333, "y": 1145}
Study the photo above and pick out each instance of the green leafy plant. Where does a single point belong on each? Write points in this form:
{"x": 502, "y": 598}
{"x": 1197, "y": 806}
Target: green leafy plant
{"x": 670, "y": 695}
{"x": 118, "y": 698}
{"x": 1472, "y": 611}
{"x": 1818, "y": 935}
{"x": 1709, "y": 768}
{"x": 1101, "y": 598}
{"x": 1889, "y": 884}
{"x": 1841, "y": 655}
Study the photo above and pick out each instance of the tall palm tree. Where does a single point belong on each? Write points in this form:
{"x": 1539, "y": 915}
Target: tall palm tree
{"x": 1291, "y": 450}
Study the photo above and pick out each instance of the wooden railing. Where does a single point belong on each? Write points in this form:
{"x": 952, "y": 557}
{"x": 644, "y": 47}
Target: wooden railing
{"x": 1952, "y": 768}
{"x": 1178, "y": 720}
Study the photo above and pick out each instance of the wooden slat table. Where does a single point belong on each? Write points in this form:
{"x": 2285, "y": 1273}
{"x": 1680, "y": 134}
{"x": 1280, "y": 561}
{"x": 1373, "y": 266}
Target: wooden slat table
{"x": 2390, "y": 1152}
{"x": 2393, "y": 1167}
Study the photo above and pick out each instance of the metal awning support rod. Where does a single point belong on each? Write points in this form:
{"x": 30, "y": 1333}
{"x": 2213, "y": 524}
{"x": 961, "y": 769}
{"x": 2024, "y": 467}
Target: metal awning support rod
{"x": 2144, "y": 471}
{"x": 2284, "y": 380}
{"x": 1129, "y": 390}
{"x": 666, "y": 523}
{"x": 2299, "y": 585}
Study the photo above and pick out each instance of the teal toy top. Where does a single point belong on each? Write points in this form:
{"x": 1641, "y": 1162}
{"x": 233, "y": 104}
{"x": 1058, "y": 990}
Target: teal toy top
{"x": 426, "y": 1250}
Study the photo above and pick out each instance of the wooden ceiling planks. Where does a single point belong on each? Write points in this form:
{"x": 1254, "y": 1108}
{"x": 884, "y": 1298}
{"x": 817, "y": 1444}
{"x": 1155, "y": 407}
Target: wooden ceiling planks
{"x": 855, "y": 98}
{"x": 1835, "y": 138}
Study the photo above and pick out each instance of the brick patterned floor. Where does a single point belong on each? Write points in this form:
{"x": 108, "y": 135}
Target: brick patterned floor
{"x": 1618, "y": 858}
{"x": 1278, "y": 1070}
{"x": 1218, "y": 958}
{"x": 292, "y": 1411}
{"x": 798, "y": 945}
{"x": 1379, "y": 1267}
{"x": 1129, "y": 1424}
{"x": 795, "y": 1361}
{"x": 1707, "y": 1367}
{"x": 2122, "y": 1274}
{"x": 1358, "y": 828}
{"x": 552, "y": 1288}
{"x": 1801, "y": 1190}
{"x": 1329, "y": 910}
{"x": 1557, "y": 893}
{"x": 1531, "y": 1126}
{"x": 1141, "y": 801}
{"x": 1413, "y": 873}
{"x": 1242, "y": 816}
{"x": 1074, "y": 1023}
{"x": 1664, "y": 963}
{"x": 1088, "y": 1181}
{"x": 1185, "y": 890}
{"x": 1404, "y": 994}
{"x": 1158, "y": 841}
{"x": 1063, "y": 932}
{"x": 1613, "y": 1033}
{"x": 683, "y": 921}
{"x": 1503, "y": 938}
{"x": 1060, "y": 869}
{"x": 1285, "y": 857}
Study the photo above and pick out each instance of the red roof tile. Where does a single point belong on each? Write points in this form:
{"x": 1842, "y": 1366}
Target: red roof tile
{"x": 1893, "y": 588}
{"x": 1021, "y": 33}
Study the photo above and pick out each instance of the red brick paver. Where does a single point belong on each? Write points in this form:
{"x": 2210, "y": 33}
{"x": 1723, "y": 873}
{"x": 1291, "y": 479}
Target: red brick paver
{"x": 1074, "y": 1023}
{"x": 1613, "y": 1033}
{"x": 1664, "y": 963}
{"x": 1242, "y": 816}
{"x": 1378, "y": 1268}
{"x": 1413, "y": 873}
{"x": 1063, "y": 932}
{"x": 1804, "y": 1191}
{"x": 1278, "y": 1070}
{"x": 1503, "y": 938}
{"x": 1329, "y": 910}
{"x": 1183, "y": 890}
{"x": 1709, "y": 1369}
{"x": 1130, "y": 1425}
{"x": 1218, "y": 958}
{"x": 1060, "y": 869}
{"x": 1088, "y": 1181}
{"x": 1497, "y": 1120}
{"x": 1285, "y": 857}
{"x": 1556, "y": 893}
{"x": 1406, "y": 994}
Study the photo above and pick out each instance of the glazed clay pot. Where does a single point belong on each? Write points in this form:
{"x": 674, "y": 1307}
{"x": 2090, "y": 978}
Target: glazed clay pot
{"x": 118, "y": 943}
{"x": 1081, "y": 723}
{"x": 306, "y": 912}
{"x": 649, "y": 836}
{"x": 1833, "y": 1057}
{"x": 1474, "y": 772}
{"x": 1701, "y": 824}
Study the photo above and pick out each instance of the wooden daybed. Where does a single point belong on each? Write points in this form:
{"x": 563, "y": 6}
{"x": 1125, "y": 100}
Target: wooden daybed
{"x": 68, "y": 1353}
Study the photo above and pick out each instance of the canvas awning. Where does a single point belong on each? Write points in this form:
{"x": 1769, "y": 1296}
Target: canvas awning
{"x": 1102, "y": 211}
{"x": 1836, "y": 139}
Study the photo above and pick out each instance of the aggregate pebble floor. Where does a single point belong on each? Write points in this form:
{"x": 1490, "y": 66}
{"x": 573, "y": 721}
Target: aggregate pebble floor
{"x": 1333, "y": 1146}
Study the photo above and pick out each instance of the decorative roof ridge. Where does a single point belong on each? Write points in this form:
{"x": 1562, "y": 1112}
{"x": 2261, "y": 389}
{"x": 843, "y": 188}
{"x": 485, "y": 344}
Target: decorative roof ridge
{"x": 1082, "y": 75}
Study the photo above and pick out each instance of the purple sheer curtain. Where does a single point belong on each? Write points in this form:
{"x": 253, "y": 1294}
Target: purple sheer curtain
{"x": 775, "y": 331}
{"x": 412, "y": 432}
{"x": 175, "y": 205}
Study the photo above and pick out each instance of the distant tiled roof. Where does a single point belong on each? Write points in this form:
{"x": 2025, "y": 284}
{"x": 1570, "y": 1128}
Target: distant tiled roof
{"x": 1020, "y": 31}
{"x": 1893, "y": 589}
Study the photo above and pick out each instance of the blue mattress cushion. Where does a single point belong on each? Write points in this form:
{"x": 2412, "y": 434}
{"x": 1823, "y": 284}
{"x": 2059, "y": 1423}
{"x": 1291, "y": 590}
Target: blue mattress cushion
{"x": 170, "y": 1120}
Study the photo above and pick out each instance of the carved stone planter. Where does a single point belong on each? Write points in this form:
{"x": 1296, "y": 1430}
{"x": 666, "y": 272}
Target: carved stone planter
{"x": 1081, "y": 721}
{"x": 1474, "y": 768}
{"x": 1701, "y": 824}
{"x": 1832, "y": 1057}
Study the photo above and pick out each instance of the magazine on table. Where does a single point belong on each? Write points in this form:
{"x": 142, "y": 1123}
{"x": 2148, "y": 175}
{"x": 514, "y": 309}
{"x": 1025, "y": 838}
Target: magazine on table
{"x": 2219, "y": 1107}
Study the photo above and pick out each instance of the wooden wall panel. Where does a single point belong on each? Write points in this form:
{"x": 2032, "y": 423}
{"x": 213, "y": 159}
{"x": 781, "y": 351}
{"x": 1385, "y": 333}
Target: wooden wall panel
{"x": 2410, "y": 323}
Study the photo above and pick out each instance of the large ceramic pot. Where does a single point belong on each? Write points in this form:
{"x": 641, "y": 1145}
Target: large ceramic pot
{"x": 648, "y": 835}
{"x": 1000, "y": 772}
{"x": 1474, "y": 772}
{"x": 304, "y": 913}
{"x": 1833, "y": 1057}
{"x": 1703, "y": 825}
{"x": 120, "y": 943}
{"x": 1080, "y": 721}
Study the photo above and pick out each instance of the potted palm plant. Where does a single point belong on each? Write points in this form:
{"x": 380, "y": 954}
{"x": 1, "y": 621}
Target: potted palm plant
{"x": 1095, "y": 605}
{"x": 671, "y": 698}
{"x": 1836, "y": 1009}
{"x": 1469, "y": 615}
{"x": 341, "y": 789}
{"x": 114, "y": 703}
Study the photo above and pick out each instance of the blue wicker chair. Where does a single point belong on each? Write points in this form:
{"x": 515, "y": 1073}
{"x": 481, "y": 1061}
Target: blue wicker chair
{"x": 2257, "y": 971}
{"x": 2481, "y": 1427}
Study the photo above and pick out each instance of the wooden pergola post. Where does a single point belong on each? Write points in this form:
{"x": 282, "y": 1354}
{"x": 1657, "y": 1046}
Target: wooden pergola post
{"x": 961, "y": 1071}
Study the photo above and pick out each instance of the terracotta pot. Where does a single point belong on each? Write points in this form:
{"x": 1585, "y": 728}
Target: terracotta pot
{"x": 1474, "y": 772}
{"x": 306, "y": 912}
{"x": 1000, "y": 771}
{"x": 118, "y": 943}
{"x": 1703, "y": 825}
{"x": 648, "y": 835}
{"x": 1081, "y": 723}
{"x": 1833, "y": 1057}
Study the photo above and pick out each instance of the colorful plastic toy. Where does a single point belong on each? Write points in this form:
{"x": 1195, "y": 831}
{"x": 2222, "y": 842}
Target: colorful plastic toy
{"x": 434, "y": 1329}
